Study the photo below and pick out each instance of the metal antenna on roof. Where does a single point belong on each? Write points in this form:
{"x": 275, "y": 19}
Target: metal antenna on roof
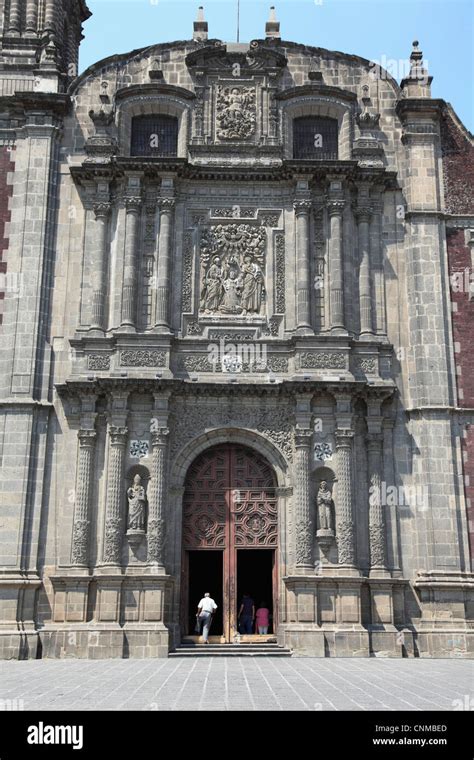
{"x": 238, "y": 20}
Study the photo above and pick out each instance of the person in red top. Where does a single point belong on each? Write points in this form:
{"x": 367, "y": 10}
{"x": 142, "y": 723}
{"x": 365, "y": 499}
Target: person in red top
{"x": 262, "y": 618}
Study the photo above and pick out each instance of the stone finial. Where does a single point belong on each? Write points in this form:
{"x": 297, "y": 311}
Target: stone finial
{"x": 418, "y": 83}
{"x": 272, "y": 27}
{"x": 201, "y": 27}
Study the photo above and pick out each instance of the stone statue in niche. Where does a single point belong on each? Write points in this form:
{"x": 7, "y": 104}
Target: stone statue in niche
{"x": 136, "y": 496}
{"x": 236, "y": 115}
{"x": 232, "y": 261}
{"x": 325, "y": 506}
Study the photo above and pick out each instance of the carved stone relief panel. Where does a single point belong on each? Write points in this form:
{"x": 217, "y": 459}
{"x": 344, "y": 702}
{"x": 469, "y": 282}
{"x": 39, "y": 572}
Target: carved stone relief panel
{"x": 236, "y": 116}
{"x": 232, "y": 266}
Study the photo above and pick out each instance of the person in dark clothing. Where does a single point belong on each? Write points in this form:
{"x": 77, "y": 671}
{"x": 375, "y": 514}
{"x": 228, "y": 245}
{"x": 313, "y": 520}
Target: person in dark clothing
{"x": 246, "y": 614}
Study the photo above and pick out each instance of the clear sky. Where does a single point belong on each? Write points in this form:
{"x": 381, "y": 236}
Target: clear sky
{"x": 380, "y": 30}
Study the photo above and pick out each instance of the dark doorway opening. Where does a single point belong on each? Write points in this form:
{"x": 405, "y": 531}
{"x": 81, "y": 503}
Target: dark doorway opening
{"x": 255, "y": 577}
{"x": 205, "y": 574}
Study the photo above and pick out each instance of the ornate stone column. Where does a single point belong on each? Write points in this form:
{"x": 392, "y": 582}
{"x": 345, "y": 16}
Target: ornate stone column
{"x": 98, "y": 275}
{"x": 377, "y": 538}
{"x": 376, "y": 257}
{"x": 81, "y": 524}
{"x": 302, "y": 211}
{"x": 157, "y": 498}
{"x": 31, "y": 15}
{"x": 115, "y": 487}
{"x": 363, "y": 215}
{"x": 14, "y": 17}
{"x": 164, "y": 264}
{"x": 304, "y": 534}
{"x": 344, "y": 510}
{"x": 336, "y": 264}
{"x": 50, "y": 16}
{"x": 129, "y": 294}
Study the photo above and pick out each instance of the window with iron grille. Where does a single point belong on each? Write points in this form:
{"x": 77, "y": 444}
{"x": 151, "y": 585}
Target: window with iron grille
{"x": 154, "y": 136}
{"x": 315, "y": 137}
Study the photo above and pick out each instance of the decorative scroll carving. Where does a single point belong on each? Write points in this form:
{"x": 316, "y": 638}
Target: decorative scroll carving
{"x": 229, "y": 337}
{"x": 113, "y": 536}
{"x": 98, "y": 362}
{"x": 187, "y": 287}
{"x": 234, "y": 212}
{"x": 277, "y": 363}
{"x": 193, "y": 328}
{"x": 236, "y": 113}
{"x": 322, "y": 360}
{"x": 142, "y": 358}
{"x": 190, "y": 420}
{"x": 368, "y": 364}
{"x": 280, "y": 274}
{"x": 232, "y": 263}
{"x": 270, "y": 220}
{"x": 80, "y": 540}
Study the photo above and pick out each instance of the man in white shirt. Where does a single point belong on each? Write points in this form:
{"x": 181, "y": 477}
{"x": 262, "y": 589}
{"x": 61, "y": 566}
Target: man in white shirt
{"x": 206, "y": 609}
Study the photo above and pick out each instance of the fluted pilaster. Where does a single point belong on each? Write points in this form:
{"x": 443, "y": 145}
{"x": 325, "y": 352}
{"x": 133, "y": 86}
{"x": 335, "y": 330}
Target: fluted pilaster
{"x": 336, "y": 265}
{"x": 344, "y": 509}
{"x": 377, "y": 529}
{"x": 129, "y": 294}
{"x": 157, "y": 497}
{"x": 164, "y": 263}
{"x": 14, "y": 17}
{"x": 99, "y": 268}
{"x": 376, "y": 258}
{"x": 81, "y": 524}
{"x": 302, "y": 211}
{"x": 31, "y": 16}
{"x": 304, "y": 535}
{"x": 363, "y": 215}
{"x": 115, "y": 488}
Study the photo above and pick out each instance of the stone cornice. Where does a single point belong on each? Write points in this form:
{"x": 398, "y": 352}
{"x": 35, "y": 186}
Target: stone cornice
{"x": 420, "y": 106}
{"x": 57, "y": 103}
{"x": 154, "y": 88}
{"x": 317, "y": 91}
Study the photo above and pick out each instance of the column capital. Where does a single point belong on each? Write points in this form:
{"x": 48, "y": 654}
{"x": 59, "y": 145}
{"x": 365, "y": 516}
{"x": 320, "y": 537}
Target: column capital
{"x": 303, "y": 437}
{"x": 118, "y": 435}
{"x": 166, "y": 205}
{"x": 87, "y": 438}
{"x": 335, "y": 206}
{"x": 344, "y": 438}
{"x": 302, "y": 206}
{"x": 159, "y": 437}
{"x": 133, "y": 203}
{"x": 101, "y": 209}
{"x": 363, "y": 213}
{"x": 374, "y": 441}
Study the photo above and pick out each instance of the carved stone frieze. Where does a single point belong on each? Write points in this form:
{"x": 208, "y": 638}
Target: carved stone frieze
{"x": 142, "y": 358}
{"x": 187, "y": 287}
{"x": 280, "y": 274}
{"x": 322, "y": 360}
{"x": 98, "y": 362}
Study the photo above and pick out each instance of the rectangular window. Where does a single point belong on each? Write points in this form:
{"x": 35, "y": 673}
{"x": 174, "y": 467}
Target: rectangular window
{"x": 154, "y": 136}
{"x": 315, "y": 138}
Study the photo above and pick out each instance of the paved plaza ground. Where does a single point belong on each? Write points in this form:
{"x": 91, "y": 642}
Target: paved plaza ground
{"x": 237, "y": 684}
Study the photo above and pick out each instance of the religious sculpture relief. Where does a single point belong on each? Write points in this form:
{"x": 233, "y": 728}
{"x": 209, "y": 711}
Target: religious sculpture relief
{"x": 236, "y": 113}
{"x": 325, "y": 506}
{"x": 232, "y": 261}
{"x": 136, "y": 496}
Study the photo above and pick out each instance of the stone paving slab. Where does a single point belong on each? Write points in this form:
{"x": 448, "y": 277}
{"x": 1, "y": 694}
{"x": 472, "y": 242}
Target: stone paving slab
{"x": 237, "y": 684}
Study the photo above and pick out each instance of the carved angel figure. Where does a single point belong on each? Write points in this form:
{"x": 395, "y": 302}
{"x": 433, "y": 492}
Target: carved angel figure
{"x": 136, "y": 505}
{"x": 235, "y": 113}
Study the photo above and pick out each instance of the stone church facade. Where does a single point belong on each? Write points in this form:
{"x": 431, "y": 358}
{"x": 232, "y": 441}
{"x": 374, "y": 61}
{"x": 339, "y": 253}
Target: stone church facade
{"x": 232, "y": 353}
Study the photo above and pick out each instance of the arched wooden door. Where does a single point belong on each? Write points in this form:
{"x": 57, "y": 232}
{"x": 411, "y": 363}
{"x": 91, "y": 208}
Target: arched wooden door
{"x": 230, "y": 509}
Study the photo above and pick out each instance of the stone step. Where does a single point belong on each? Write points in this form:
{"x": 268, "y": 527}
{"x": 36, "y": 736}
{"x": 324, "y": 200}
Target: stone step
{"x": 230, "y": 650}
